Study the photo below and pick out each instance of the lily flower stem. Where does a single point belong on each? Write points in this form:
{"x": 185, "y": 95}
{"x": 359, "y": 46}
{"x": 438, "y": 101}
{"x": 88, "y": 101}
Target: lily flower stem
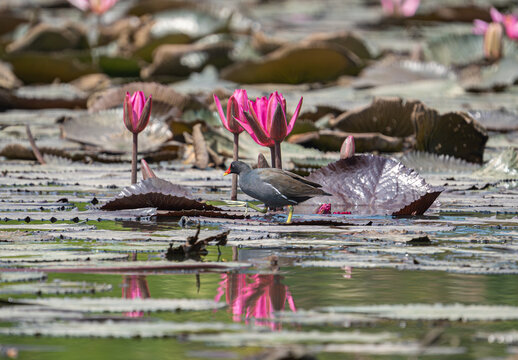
{"x": 278, "y": 157}
{"x": 233, "y": 195}
{"x": 134, "y": 160}
{"x": 272, "y": 155}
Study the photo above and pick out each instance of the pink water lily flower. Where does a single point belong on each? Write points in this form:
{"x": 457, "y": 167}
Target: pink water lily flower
{"x": 400, "y": 8}
{"x": 266, "y": 121}
{"x": 510, "y": 23}
{"x": 239, "y": 99}
{"x": 95, "y": 6}
{"x": 137, "y": 111}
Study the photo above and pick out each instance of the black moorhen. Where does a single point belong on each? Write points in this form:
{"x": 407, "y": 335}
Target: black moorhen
{"x": 274, "y": 187}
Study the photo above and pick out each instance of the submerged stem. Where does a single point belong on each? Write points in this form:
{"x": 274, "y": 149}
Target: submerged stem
{"x": 134, "y": 160}
{"x": 233, "y": 194}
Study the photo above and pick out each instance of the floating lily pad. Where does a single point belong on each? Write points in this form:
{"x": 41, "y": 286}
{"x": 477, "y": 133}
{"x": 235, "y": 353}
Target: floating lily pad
{"x": 348, "y": 40}
{"x": 64, "y": 96}
{"x": 461, "y": 49}
{"x": 179, "y": 26}
{"x": 99, "y": 305}
{"x": 433, "y": 163}
{"x": 55, "y": 288}
{"x": 451, "y": 312}
{"x": 369, "y": 184}
{"x": 388, "y": 116}
{"x": 156, "y": 193}
{"x": 116, "y": 329}
{"x": 392, "y": 70}
{"x": 255, "y": 338}
{"x": 504, "y": 166}
{"x": 21, "y": 276}
{"x": 106, "y": 130}
{"x": 496, "y": 77}
{"x": 456, "y": 134}
{"x": 295, "y": 64}
{"x": 496, "y": 120}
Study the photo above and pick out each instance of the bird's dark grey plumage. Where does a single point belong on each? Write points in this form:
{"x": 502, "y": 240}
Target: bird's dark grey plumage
{"x": 274, "y": 187}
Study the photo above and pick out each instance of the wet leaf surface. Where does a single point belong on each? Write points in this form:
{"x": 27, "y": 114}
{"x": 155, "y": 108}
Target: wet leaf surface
{"x": 387, "y": 187}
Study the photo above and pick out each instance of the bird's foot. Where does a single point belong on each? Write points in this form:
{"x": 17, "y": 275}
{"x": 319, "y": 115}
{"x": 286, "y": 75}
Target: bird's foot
{"x": 290, "y": 214}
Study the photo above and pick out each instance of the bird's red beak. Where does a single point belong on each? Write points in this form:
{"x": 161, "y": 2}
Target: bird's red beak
{"x": 227, "y": 172}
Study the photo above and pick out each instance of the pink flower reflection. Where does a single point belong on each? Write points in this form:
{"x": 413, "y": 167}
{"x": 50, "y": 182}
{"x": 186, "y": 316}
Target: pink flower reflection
{"x": 255, "y": 297}
{"x": 135, "y": 287}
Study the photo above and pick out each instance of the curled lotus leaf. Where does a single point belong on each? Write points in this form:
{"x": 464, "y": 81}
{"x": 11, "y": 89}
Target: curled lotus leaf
{"x": 106, "y": 130}
{"x": 156, "y": 193}
{"x": 63, "y": 96}
{"x": 455, "y": 133}
{"x": 182, "y": 60}
{"x": 65, "y": 66}
{"x": 388, "y": 116}
{"x": 49, "y": 38}
{"x": 296, "y": 64}
{"x": 369, "y": 184}
{"x": 348, "y": 40}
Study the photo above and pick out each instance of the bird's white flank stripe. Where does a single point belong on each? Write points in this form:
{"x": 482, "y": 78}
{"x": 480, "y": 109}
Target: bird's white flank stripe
{"x": 278, "y": 192}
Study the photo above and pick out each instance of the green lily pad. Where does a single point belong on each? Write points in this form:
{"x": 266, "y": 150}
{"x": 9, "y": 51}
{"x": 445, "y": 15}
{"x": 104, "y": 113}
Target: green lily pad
{"x": 295, "y": 64}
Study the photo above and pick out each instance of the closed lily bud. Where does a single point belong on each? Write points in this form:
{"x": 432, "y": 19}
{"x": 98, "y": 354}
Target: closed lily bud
{"x": 238, "y": 100}
{"x": 278, "y": 127}
{"x": 347, "y": 149}
{"x": 137, "y": 111}
{"x": 493, "y": 49}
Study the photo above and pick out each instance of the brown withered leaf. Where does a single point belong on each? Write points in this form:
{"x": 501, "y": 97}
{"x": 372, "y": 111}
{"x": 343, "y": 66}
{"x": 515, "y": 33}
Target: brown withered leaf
{"x": 388, "y": 116}
{"x": 332, "y": 140}
{"x": 200, "y": 148}
{"x": 156, "y": 193}
{"x": 454, "y": 133}
{"x": 295, "y": 64}
{"x": 370, "y": 184}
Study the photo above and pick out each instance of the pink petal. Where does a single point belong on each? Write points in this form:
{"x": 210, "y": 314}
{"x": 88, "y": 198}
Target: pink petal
{"x": 511, "y": 26}
{"x": 479, "y": 27}
{"x": 496, "y": 15}
{"x": 222, "y": 115}
{"x": 83, "y": 5}
{"x": 409, "y": 7}
{"x": 387, "y": 6}
{"x": 294, "y": 117}
{"x": 101, "y": 6}
{"x": 138, "y": 100}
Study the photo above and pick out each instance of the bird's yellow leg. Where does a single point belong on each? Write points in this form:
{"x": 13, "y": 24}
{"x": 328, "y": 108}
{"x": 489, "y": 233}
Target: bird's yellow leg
{"x": 290, "y": 214}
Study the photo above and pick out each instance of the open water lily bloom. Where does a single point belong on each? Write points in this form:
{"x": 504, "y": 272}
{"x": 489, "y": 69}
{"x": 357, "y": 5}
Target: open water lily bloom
{"x": 267, "y": 122}
{"x": 95, "y": 6}
{"x": 510, "y": 23}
